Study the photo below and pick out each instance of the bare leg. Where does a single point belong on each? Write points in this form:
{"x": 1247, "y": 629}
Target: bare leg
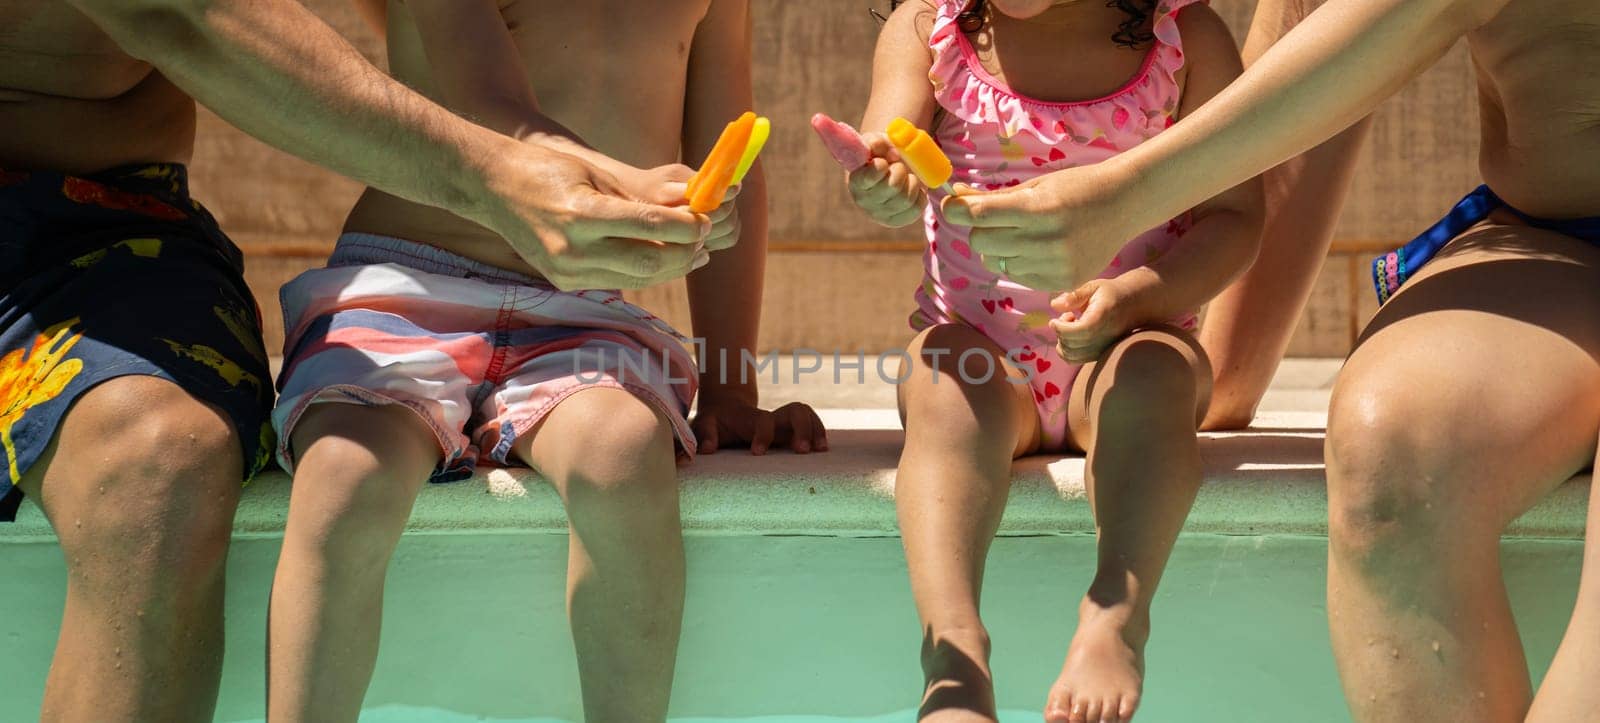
{"x": 144, "y": 512}
{"x": 611, "y": 456}
{"x": 1248, "y": 326}
{"x": 1474, "y": 392}
{"x": 358, "y": 474}
{"x": 1135, "y": 411}
{"x": 950, "y": 490}
{"x": 1569, "y": 692}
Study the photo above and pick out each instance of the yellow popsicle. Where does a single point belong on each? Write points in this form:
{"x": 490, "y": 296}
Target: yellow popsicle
{"x": 758, "y": 138}
{"x": 920, "y": 153}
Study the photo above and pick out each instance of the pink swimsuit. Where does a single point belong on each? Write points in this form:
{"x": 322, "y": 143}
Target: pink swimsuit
{"x": 996, "y": 138}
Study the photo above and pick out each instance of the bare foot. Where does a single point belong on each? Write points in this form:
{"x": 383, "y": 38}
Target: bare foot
{"x": 1104, "y": 673}
{"x": 955, "y": 668}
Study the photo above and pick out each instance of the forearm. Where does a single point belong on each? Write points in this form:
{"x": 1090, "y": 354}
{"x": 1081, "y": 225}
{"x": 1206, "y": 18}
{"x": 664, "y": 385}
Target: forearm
{"x": 1216, "y": 250}
{"x": 1326, "y": 74}
{"x": 276, "y": 71}
{"x": 725, "y": 298}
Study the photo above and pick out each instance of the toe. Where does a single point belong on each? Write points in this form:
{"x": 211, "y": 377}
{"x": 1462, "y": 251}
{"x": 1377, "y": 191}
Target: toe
{"x": 1129, "y": 705}
{"x": 1058, "y": 709}
{"x": 1078, "y": 705}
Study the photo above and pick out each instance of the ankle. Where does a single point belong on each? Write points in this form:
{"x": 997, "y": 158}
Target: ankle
{"x": 1130, "y": 619}
{"x": 941, "y": 642}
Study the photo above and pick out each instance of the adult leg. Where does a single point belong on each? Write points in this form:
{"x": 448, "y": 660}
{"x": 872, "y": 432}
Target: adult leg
{"x": 1568, "y": 692}
{"x": 1473, "y": 392}
{"x": 1136, "y": 412}
{"x": 612, "y": 457}
{"x": 964, "y": 425}
{"x": 358, "y": 472}
{"x": 140, "y": 483}
{"x": 1248, "y": 326}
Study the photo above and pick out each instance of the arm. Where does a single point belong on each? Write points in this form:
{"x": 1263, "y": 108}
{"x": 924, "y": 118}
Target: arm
{"x": 725, "y": 295}
{"x": 885, "y": 188}
{"x": 1327, "y": 73}
{"x": 1226, "y": 231}
{"x": 279, "y": 73}
{"x": 1221, "y": 242}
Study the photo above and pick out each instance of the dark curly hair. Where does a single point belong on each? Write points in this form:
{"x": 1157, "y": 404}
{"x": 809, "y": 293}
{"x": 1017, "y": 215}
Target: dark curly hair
{"x": 1133, "y": 32}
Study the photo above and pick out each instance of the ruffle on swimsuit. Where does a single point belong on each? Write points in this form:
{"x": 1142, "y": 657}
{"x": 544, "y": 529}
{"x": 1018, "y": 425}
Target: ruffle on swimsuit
{"x": 968, "y": 92}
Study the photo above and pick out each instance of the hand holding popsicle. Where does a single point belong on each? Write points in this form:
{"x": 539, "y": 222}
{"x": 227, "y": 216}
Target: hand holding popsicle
{"x": 842, "y": 142}
{"x": 886, "y": 186}
{"x": 728, "y": 162}
{"x": 921, "y": 153}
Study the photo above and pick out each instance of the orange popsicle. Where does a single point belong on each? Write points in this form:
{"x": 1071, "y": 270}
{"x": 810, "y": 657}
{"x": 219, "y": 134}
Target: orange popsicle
{"x": 711, "y": 182}
{"x": 920, "y": 153}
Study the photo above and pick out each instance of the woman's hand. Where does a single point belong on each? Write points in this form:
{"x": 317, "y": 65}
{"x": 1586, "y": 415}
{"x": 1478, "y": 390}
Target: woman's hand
{"x": 885, "y": 187}
{"x": 1057, "y": 231}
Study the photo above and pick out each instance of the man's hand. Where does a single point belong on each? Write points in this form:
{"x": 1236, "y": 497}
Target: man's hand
{"x": 885, "y": 187}
{"x": 579, "y": 226}
{"x": 1054, "y": 232}
{"x": 665, "y": 186}
{"x": 729, "y": 424}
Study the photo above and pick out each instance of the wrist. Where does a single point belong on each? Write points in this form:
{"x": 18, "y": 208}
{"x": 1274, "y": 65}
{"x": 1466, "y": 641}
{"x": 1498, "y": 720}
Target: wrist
{"x": 1128, "y": 182}
{"x": 490, "y": 163}
{"x": 1141, "y": 296}
{"x": 717, "y": 391}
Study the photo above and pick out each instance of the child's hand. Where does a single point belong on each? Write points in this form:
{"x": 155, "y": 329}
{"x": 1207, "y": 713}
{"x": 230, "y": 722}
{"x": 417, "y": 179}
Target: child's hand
{"x": 885, "y": 187}
{"x": 1092, "y": 317}
{"x": 736, "y": 424}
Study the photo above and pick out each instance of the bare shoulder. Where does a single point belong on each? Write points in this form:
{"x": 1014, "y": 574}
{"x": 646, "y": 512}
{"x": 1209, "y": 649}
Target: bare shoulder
{"x": 914, "y": 18}
{"x": 1204, "y": 33}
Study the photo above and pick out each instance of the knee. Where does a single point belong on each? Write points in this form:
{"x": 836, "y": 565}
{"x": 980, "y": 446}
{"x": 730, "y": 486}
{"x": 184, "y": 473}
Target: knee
{"x": 357, "y": 479}
{"x": 1393, "y": 490}
{"x": 628, "y": 461}
{"x": 163, "y": 502}
{"x": 955, "y": 351}
{"x": 1152, "y": 374}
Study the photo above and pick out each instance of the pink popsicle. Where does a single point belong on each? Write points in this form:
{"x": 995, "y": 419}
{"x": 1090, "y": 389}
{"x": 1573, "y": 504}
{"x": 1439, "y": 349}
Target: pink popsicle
{"x": 842, "y": 141}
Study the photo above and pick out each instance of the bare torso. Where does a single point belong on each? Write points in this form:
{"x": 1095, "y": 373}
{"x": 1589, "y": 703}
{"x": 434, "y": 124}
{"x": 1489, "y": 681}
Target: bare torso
{"x": 1540, "y": 105}
{"x": 612, "y": 71}
{"x": 72, "y": 101}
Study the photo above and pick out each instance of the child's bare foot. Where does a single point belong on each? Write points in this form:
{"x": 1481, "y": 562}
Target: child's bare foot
{"x": 1104, "y": 674}
{"x": 955, "y": 668}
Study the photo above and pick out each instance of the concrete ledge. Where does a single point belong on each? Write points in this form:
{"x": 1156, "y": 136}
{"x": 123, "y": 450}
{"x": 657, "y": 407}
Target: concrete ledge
{"x": 1265, "y": 480}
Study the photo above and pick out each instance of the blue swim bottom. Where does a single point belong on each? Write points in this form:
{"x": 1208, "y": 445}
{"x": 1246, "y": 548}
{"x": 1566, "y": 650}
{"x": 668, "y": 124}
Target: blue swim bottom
{"x": 1392, "y": 269}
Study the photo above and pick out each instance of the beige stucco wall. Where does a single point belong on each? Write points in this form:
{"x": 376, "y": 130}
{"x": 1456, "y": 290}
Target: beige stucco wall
{"x": 822, "y": 290}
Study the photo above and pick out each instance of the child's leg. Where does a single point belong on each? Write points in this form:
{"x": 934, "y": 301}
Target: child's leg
{"x": 358, "y": 473}
{"x": 1569, "y": 692}
{"x": 1135, "y": 412}
{"x": 612, "y": 457}
{"x": 954, "y": 475}
{"x": 1473, "y": 392}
